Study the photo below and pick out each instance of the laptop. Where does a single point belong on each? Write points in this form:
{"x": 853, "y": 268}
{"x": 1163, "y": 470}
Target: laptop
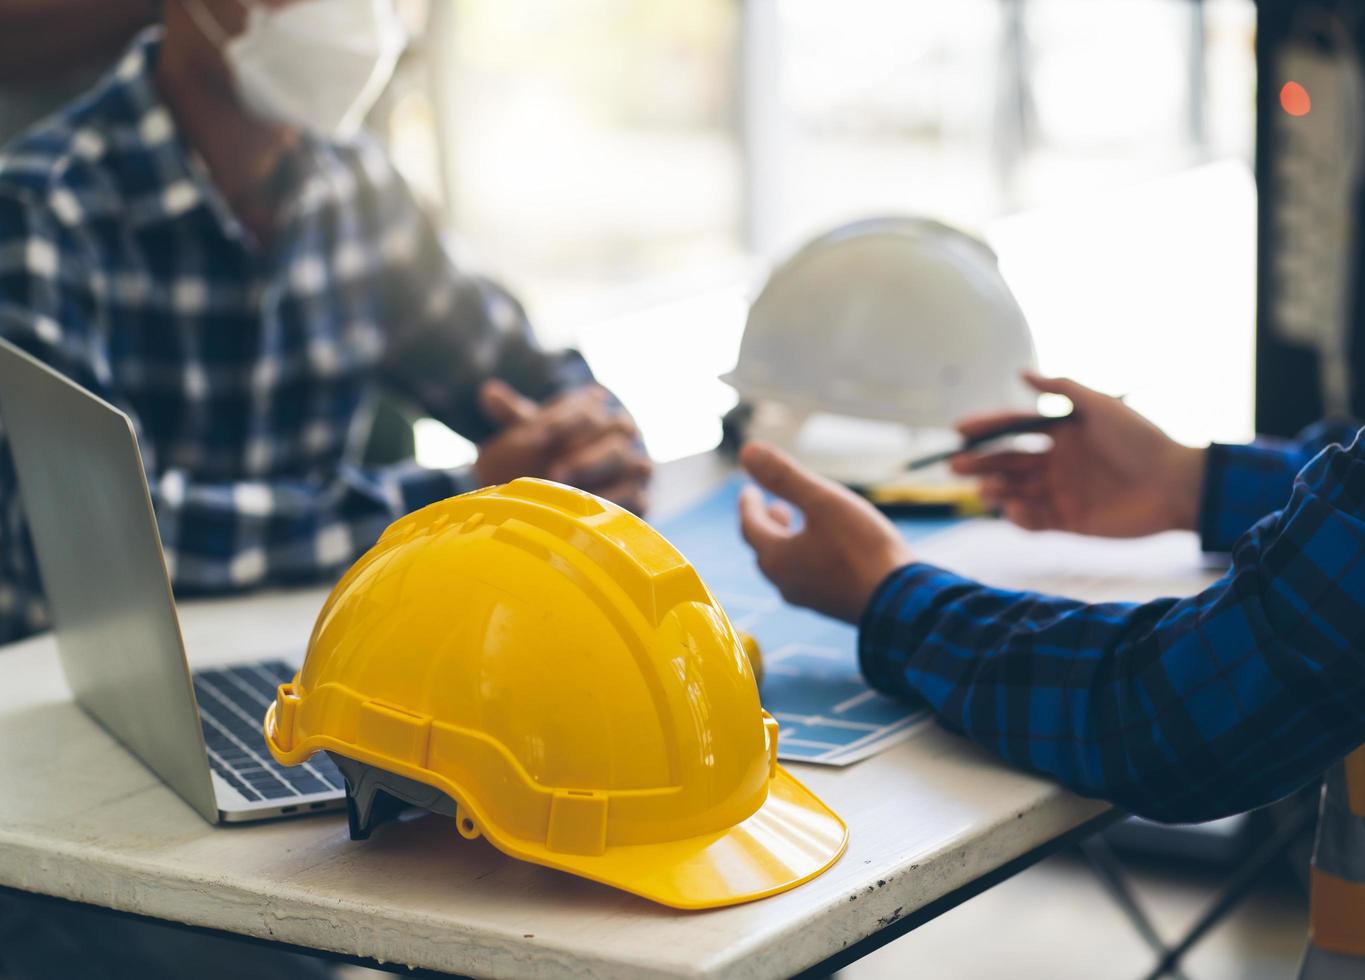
{"x": 114, "y": 617}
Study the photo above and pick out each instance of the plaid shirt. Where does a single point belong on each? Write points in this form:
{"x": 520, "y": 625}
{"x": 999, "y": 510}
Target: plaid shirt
{"x": 244, "y": 369}
{"x": 1178, "y": 709}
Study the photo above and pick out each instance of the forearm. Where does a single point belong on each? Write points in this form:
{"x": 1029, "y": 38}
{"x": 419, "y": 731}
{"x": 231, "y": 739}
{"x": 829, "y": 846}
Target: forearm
{"x": 1177, "y": 709}
{"x": 1019, "y": 673}
{"x": 450, "y": 330}
{"x": 443, "y": 357}
{"x": 44, "y": 40}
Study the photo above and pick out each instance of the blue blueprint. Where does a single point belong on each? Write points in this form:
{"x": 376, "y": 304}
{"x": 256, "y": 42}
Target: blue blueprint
{"x": 813, "y": 686}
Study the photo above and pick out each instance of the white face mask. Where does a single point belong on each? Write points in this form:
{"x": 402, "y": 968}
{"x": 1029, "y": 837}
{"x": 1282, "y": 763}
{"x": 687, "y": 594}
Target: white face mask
{"x": 315, "y": 64}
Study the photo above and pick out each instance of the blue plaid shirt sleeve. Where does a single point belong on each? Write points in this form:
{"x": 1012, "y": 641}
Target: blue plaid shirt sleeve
{"x": 1244, "y": 483}
{"x": 450, "y": 330}
{"x": 1178, "y": 709}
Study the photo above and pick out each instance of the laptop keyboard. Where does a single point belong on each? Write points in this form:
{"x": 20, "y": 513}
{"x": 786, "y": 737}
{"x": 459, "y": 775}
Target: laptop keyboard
{"x": 232, "y": 703}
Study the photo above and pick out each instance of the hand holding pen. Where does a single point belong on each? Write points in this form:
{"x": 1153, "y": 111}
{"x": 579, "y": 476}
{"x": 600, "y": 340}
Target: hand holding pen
{"x": 1109, "y": 471}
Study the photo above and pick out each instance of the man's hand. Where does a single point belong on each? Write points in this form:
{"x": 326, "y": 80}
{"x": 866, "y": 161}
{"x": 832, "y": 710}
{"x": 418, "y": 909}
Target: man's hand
{"x": 1109, "y": 472}
{"x": 837, "y": 558}
{"x": 578, "y": 438}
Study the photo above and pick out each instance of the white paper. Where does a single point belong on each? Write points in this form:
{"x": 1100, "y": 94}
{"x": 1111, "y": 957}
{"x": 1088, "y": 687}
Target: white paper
{"x": 1052, "y": 562}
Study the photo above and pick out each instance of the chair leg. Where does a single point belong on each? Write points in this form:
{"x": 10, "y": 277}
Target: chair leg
{"x": 1248, "y": 876}
{"x": 1109, "y": 870}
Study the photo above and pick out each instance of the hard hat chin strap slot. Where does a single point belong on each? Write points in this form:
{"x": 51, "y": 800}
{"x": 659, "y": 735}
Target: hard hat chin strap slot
{"x": 374, "y": 796}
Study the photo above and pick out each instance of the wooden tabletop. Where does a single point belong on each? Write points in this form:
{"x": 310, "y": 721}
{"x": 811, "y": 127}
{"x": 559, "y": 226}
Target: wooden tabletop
{"x": 81, "y": 819}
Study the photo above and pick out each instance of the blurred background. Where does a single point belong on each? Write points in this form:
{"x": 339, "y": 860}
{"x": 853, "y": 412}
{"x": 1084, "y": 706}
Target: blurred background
{"x": 632, "y": 171}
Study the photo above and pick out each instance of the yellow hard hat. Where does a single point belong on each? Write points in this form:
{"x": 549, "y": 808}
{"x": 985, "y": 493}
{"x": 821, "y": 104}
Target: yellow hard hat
{"x": 548, "y": 669}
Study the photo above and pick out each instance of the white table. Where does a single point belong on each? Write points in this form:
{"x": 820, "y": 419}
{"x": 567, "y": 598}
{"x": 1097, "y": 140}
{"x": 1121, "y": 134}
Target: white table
{"x": 931, "y": 822}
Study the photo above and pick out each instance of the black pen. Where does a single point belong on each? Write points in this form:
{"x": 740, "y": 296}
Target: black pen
{"x": 1036, "y": 423}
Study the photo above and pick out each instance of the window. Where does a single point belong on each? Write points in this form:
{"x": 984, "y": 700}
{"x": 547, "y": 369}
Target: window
{"x": 632, "y": 168}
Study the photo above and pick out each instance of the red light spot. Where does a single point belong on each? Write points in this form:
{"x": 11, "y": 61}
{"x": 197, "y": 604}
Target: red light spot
{"x": 1294, "y": 99}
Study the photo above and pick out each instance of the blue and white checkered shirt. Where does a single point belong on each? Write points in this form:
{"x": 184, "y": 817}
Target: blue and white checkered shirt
{"x": 1179, "y": 709}
{"x": 245, "y": 369}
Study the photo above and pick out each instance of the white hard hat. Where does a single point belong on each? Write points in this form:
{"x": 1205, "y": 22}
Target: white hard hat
{"x": 902, "y": 320}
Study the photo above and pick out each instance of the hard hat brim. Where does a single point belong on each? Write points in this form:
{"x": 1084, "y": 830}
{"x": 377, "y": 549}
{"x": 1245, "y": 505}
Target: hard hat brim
{"x": 789, "y": 840}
